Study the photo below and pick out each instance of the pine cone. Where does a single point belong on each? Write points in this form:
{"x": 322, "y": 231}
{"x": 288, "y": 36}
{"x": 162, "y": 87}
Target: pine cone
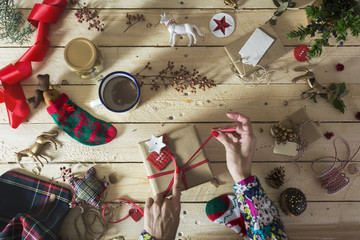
{"x": 275, "y": 178}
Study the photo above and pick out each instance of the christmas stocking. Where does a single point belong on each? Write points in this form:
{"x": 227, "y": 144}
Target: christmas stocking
{"x": 79, "y": 124}
{"x": 224, "y": 210}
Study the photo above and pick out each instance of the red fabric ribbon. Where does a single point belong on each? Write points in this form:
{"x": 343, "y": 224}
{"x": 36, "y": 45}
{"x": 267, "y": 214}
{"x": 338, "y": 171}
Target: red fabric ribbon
{"x": 67, "y": 108}
{"x": 11, "y": 75}
{"x": 184, "y": 169}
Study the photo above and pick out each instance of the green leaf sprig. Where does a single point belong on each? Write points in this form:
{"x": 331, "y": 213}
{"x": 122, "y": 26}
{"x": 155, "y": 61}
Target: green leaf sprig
{"x": 331, "y": 19}
{"x": 337, "y": 91}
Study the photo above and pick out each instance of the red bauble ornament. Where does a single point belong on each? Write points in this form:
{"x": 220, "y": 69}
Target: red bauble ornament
{"x": 300, "y": 53}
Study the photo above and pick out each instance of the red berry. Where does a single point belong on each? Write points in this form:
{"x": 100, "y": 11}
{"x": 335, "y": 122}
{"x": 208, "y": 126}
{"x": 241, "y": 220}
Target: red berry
{"x": 357, "y": 116}
{"x": 329, "y": 135}
{"x": 340, "y": 67}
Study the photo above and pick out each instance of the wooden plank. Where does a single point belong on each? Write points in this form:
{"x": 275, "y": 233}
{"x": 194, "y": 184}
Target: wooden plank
{"x": 214, "y": 65}
{"x": 124, "y": 149}
{"x": 263, "y": 103}
{"x": 324, "y": 232}
{"x": 115, "y": 23}
{"x": 170, "y": 4}
{"x": 132, "y": 181}
{"x": 315, "y": 223}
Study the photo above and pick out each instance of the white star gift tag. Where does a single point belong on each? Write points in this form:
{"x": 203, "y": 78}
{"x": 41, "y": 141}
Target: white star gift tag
{"x": 155, "y": 144}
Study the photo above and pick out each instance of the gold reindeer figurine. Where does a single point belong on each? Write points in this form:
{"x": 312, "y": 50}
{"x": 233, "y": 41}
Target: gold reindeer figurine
{"x": 315, "y": 87}
{"x": 34, "y": 151}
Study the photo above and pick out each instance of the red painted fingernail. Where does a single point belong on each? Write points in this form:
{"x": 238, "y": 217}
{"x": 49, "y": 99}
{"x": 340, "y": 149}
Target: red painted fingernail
{"x": 215, "y": 133}
{"x": 177, "y": 170}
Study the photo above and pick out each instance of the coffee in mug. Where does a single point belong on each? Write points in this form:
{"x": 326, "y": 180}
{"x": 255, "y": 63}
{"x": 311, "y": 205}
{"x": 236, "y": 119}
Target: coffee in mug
{"x": 118, "y": 92}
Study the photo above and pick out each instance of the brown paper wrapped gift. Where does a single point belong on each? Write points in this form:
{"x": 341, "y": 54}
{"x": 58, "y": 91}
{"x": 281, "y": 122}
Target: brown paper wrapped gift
{"x": 183, "y": 144}
{"x": 302, "y": 125}
{"x": 275, "y": 51}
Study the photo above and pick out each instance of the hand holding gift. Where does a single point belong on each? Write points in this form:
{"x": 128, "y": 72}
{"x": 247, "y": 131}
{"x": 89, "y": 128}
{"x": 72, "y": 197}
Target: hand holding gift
{"x": 162, "y": 215}
{"x": 183, "y": 149}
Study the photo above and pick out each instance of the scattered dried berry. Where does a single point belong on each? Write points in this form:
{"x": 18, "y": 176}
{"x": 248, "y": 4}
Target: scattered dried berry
{"x": 65, "y": 173}
{"x": 340, "y": 67}
{"x": 84, "y": 14}
{"x": 329, "y": 135}
{"x": 180, "y": 79}
{"x": 357, "y": 116}
{"x": 137, "y": 18}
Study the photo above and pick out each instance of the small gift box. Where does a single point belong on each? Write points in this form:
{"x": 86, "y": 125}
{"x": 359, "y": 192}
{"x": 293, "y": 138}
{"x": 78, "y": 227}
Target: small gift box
{"x": 303, "y": 126}
{"x": 270, "y": 50}
{"x": 181, "y": 145}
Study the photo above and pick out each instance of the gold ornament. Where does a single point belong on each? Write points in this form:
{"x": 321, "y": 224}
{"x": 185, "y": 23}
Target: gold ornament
{"x": 231, "y": 3}
{"x": 283, "y": 134}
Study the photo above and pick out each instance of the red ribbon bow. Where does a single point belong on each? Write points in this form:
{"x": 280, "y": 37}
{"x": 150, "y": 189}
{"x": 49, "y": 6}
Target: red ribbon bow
{"x": 62, "y": 112}
{"x": 11, "y": 75}
{"x": 183, "y": 168}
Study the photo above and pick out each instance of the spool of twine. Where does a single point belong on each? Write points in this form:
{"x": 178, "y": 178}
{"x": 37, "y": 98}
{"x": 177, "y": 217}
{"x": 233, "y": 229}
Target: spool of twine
{"x": 333, "y": 178}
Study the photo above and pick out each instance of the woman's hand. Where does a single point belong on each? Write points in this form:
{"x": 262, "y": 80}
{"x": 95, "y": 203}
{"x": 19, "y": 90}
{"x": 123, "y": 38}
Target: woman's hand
{"x": 239, "y": 146}
{"x": 162, "y": 215}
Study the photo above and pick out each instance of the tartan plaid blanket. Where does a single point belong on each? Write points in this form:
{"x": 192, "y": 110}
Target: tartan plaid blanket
{"x": 31, "y": 208}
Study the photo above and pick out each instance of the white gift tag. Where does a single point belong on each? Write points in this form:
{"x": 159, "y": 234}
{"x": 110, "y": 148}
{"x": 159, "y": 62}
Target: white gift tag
{"x": 255, "y": 47}
{"x": 289, "y": 149}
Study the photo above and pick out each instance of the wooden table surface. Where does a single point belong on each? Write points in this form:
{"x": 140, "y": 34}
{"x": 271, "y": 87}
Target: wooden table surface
{"x": 327, "y": 216}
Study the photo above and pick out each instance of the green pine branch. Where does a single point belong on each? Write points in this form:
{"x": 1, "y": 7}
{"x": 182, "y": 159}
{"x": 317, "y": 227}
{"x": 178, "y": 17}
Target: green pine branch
{"x": 13, "y": 27}
{"x": 329, "y": 20}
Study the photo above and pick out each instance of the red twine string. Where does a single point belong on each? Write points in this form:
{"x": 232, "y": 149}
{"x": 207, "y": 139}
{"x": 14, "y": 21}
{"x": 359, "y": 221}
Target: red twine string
{"x": 137, "y": 208}
{"x": 333, "y": 179}
{"x": 183, "y": 168}
{"x": 40, "y": 17}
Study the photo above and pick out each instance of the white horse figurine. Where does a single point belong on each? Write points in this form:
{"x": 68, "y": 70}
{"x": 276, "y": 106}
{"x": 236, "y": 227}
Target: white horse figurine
{"x": 175, "y": 29}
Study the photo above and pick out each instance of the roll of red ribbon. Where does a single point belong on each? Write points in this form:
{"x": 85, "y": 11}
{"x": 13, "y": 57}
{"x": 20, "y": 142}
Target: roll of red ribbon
{"x": 41, "y": 16}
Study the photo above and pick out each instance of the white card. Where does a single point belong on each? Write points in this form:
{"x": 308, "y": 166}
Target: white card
{"x": 255, "y": 47}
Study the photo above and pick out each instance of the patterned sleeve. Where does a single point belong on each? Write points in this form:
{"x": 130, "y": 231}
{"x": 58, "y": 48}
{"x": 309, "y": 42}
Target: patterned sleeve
{"x": 145, "y": 236}
{"x": 262, "y": 218}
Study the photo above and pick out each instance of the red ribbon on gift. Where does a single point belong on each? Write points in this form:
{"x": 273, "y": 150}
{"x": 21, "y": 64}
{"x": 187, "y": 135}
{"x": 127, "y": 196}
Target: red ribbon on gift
{"x": 11, "y": 75}
{"x": 184, "y": 169}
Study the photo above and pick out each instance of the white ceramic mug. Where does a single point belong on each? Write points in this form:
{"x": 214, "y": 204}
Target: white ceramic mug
{"x": 119, "y": 92}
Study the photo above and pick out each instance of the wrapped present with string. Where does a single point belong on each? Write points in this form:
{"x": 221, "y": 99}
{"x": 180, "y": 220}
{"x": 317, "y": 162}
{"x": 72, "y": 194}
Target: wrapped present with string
{"x": 293, "y": 134}
{"x": 182, "y": 148}
{"x": 254, "y": 51}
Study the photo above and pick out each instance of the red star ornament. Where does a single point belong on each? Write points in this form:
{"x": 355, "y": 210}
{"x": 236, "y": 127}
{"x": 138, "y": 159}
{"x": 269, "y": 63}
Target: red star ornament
{"x": 221, "y": 25}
